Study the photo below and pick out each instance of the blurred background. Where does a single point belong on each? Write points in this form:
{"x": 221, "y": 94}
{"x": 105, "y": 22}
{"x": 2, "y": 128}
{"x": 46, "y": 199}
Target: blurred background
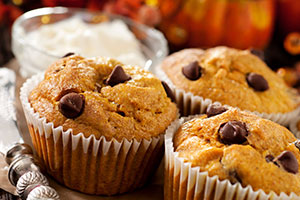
{"x": 271, "y": 28}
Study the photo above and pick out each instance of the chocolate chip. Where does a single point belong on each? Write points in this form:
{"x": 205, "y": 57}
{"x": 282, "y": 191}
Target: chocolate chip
{"x": 234, "y": 177}
{"x": 192, "y": 71}
{"x": 214, "y": 109}
{"x": 259, "y": 53}
{"x": 297, "y": 144}
{"x": 121, "y": 113}
{"x": 71, "y": 105}
{"x": 288, "y": 161}
{"x": 168, "y": 90}
{"x": 117, "y": 76}
{"x": 233, "y": 132}
{"x": 68, "y": 54}
{"x": 269, "y": 158}
{"x": 257, "y": 82}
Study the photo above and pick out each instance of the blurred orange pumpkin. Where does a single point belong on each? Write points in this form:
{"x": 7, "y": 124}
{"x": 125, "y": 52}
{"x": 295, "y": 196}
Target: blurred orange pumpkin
{"x": 206, "y": 23}
{"x": 288, "y": 12}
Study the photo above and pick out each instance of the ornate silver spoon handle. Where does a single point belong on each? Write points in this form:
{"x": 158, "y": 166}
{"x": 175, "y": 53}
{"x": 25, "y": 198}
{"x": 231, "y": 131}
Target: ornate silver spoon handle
{"x": 24, "y": 169}
{"x": 25, "y": 173}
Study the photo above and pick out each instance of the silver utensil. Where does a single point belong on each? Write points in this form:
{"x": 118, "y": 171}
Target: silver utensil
{"x": 24, "y": 171}
{"x": 8, "y": 125}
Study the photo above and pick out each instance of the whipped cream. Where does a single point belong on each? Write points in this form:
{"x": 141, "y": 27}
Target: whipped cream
{"x": 109, "y": 39}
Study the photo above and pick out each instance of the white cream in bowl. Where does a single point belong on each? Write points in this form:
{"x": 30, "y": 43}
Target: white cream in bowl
{"x": 109, "y": 39}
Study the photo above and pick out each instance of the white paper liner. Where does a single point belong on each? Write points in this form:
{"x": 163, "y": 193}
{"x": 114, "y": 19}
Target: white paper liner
{"x": 185, "y": 182}
{"x": 90, "y": 165}
{"x": 293, "y": 127}
{"x": 190, "y": 104}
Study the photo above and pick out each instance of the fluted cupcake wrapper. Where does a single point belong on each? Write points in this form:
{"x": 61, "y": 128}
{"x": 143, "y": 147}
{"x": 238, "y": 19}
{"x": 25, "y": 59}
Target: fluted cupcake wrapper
{"x": 190, "y": 104}
{"x": 182, "y": 181}
{"x": 294, "y": 128}
{"x": 90, "y": 165}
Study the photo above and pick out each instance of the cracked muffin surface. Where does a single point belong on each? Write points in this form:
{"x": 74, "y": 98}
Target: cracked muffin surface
{"x": 134, "y": 107}
{"x": 241, "y": 147}
{"x": 230, "y": 76}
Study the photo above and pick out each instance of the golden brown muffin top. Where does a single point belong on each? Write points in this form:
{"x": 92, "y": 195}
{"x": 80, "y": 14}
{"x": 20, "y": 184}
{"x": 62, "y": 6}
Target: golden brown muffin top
{"x": 137, "y": 107}
{"x": 223, "y": 77}
{"x": 244, "y": 148}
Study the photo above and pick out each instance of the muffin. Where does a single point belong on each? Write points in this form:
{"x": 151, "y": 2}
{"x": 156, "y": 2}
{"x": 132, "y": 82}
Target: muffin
{"x": 97, "y": 124}
{"x": 227, "y": 153}
{"x": 232, "y": 77}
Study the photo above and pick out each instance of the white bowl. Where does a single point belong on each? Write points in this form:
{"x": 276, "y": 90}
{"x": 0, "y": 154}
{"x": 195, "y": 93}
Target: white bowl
{"x": 33, "y": 59}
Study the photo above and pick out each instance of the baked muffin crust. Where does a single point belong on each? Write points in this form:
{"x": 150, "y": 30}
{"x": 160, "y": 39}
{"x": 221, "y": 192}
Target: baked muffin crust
{"x": 137, "y": 108}
{"x": 223, "y": 78}
{"x": 255, "y": 161}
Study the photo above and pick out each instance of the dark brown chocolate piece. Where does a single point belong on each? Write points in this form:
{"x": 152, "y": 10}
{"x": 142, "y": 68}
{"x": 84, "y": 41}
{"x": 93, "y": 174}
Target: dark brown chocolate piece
{"x": 168, "y": 90}
{"x": 257, "y": 82}
{"x": 233, "y": 132}
{"x": 68, "y": 54}
{"x": 192, "y": 71}
{"x": 288, "y": 161}
{"x": 117, "y": 76}
{"x": 214, "y": 109}
{"x": 234, "y": 177}
{"x": 71, "y": 105}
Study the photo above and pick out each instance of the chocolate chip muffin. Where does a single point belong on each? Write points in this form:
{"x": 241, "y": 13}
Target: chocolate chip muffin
{"x": 102, "y": 97}
{"x": 242, "y": 148}
{"x": 233, "y": 77}
{"x": 97, "y": 124}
